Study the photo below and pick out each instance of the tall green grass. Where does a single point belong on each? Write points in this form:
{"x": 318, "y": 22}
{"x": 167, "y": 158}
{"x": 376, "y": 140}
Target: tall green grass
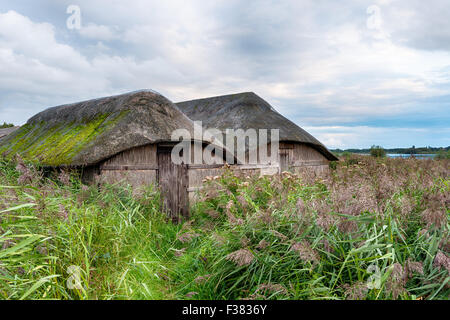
{"x": 371, "y": 229}
{"x": 107, "y": 236}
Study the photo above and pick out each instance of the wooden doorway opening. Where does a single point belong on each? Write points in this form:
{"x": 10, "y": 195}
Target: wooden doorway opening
{"x": 173, "y": 183}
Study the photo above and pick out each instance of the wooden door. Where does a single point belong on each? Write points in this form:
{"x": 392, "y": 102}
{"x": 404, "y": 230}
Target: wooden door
{"x": 284, "y": 160}
{"x": 173, "y": 183}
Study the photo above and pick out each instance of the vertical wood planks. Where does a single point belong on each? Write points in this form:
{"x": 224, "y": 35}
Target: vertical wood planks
{"x": 173, "y": 182}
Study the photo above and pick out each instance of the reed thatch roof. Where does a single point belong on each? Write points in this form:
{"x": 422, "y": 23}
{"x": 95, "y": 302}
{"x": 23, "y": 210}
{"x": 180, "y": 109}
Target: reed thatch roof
{"x": 87, "y": 132}
{"x": 247, "y": 110}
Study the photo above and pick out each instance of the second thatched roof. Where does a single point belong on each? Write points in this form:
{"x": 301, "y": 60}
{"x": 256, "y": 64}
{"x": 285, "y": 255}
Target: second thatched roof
{"x": 247, "y": 111}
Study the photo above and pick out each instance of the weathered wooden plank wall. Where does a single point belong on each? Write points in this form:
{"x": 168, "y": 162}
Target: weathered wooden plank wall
{"x": 149, "y": 164}
{"x": 137, "y": 167}
{"x": 145, "y": 155}
{"x": 306, "y": 157}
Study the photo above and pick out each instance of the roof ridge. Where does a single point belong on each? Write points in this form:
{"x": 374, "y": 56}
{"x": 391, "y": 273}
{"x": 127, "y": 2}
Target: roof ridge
{"x": 222, "y": 96}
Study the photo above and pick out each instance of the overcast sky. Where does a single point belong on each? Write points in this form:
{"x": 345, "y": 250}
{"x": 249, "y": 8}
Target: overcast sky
{"x": 352, "y": 73}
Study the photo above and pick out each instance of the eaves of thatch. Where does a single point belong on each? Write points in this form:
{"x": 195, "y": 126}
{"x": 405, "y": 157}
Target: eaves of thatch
{"x": 88, "y": 132}
{"x": 246, "y": 111}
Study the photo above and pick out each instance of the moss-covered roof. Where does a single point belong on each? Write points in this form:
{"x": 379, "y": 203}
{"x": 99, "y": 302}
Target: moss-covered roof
{"x": 245, "y": 111}
{"x": 87, "y": 132}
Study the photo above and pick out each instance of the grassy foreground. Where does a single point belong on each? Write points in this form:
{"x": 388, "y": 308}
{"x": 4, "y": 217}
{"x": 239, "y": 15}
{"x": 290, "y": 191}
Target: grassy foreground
{"x": 371, "y": 229}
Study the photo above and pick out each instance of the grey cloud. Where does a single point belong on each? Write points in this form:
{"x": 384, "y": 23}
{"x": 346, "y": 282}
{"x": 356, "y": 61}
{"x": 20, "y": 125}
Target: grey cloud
{"x": 315, "y": 61}
{"x": 419, "y": 24}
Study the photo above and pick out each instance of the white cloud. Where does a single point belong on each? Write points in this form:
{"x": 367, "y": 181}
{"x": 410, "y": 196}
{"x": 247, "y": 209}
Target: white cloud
{"x": 99, "y": 32}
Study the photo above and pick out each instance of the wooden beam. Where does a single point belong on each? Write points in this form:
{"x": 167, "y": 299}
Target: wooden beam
{"x": 254, "y": 166}
{"x": 129, "y": 167}
{"x": 307, "y": 163}
{"x": 204, "y": 166}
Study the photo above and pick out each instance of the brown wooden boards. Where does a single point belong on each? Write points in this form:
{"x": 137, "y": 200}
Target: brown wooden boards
{"x": 173, "y": 183}
{"x": 284, "y": 160}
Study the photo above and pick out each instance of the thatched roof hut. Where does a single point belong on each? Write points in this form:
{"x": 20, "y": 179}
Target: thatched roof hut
{"x": 88, "y": 132}
{"x": 245, "y": 111}
{"x": 128, "y": 138}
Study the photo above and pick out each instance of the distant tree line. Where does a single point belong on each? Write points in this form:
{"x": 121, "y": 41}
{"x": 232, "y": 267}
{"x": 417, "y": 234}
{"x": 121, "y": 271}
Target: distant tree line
{"x": 6, "y": 125}
{"x": 412, "y": 150}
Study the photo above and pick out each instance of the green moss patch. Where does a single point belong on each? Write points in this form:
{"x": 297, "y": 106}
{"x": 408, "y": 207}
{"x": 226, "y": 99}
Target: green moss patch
{"x": 57, "y": 144}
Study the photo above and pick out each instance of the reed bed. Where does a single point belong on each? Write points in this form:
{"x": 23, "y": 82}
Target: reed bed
{"x": 368, "y": 229}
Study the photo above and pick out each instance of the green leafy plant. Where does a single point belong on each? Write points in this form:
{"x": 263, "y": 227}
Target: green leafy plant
{"x": 377, "y": 152}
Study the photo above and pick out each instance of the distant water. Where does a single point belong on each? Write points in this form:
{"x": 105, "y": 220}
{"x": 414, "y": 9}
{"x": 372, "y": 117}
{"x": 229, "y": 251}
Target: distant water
{"x": 418, "y": 156}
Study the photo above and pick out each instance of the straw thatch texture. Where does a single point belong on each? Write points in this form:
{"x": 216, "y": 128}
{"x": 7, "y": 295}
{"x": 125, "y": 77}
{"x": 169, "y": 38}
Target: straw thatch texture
{"x": 87, "y": 132}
